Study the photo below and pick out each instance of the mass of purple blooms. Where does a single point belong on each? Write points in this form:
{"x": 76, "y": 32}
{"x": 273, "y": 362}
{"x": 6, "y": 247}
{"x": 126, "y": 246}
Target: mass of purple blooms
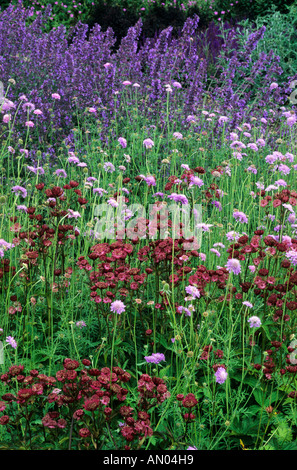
{"x": 59, "y": 75}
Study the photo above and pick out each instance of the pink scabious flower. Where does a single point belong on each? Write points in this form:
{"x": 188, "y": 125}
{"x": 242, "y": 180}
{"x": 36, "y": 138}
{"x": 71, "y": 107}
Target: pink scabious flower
{"x": 107, "y": 65}
{"x": 19, "y": 191}
{"x": 22, "y": 208}
{"x": 273, "y": 86}
{"x": 100, "y": 191}
{"x": 127, "y": 83}
{"x": 150, "y": 180}
{"x": 38, "y": 112}
{"x": 61, "y": 172}
{"x": 56, "y": 96}
{"x": 73, "y": 159}
{"x": 92, "y": 110}
{"x": 36, "y": 170}
{"x": 117, "y": 307}
{"x": 28, "y": 106}
{"x": 233, "y": 265}
{"x": 179, "y": 198}
{"x": 155, "y": 358}
{"x": 182, "y": 309}
{"x": 25, "y": 151}
{"x": 223, "y": 119}
{"x": 192, "y": 448}
{"x": 283, "y": 169}
{"x": 196, "y": 181}
{"x": 123, "y": 142}
{"x": 80, "y": 324}
{"x": 252, "y": 170}
{"x": 112, "y": 202}
{"x": 10, "y": 340}
{"x": 177, "y": 135}
{"x": 221, "y": 375}
{"x": 216, "y": 252}
{"x": 253, "y": 146}
{"x": 193, "y": 291}
{"x": 148, "y": 143}
{"x": 292, "y": 256}
{"x": 291, "y": 120}
{"x": 109, "y": 167}
{"x": 73, "y": 214}
{"x": 5, "y": 245}
{"x": 241, "y": 217}
{"x": 176, "y": 85}
{"x": 6, "y": 118}
{"x": 29, "y": 124}
{"x": 254, "y": 322}
{"x": 232, "y": 236}
{"x": 247, "y": 304}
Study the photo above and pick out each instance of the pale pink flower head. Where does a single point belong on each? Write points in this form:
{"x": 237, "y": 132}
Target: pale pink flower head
{"x": 117, "y": 307}
{"x": 122, "y": 141}
{"x": 148, "y": 143}
{"x": 221, "y": 375}
{"x": 56, "y": 96}
{"x": 254, "y": 322}
{"x": 233, "y": 265}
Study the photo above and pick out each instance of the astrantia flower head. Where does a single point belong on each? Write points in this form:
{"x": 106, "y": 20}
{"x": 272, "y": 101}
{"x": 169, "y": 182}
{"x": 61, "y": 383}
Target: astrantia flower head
{"x": 56, "y": 96}
{"x": 254, "y": 322}
{"x": 117, "y": 307}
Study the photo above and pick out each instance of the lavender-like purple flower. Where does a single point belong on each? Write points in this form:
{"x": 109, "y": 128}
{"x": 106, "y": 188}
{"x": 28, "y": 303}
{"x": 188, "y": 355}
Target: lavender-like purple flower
{"x": 241, "y": 217}
{"x": 155, "y": 358}
{"x": 20, "y": 191}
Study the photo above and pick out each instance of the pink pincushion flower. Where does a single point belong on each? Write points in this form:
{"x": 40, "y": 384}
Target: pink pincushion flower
{"x": 148, "y": 143}
{"x": 254, "y": 322}
{"x": 233, "y": 265}
{"x": 221, "y": 375}
{"x": 117, "y": 307}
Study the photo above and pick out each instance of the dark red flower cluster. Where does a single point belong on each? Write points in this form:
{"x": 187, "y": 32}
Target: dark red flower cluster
{"x": 189, "y": 402}
{"x": 204, "y": 276}
{"x": 284, "y": 197}
{"x": 110, "y": 271}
